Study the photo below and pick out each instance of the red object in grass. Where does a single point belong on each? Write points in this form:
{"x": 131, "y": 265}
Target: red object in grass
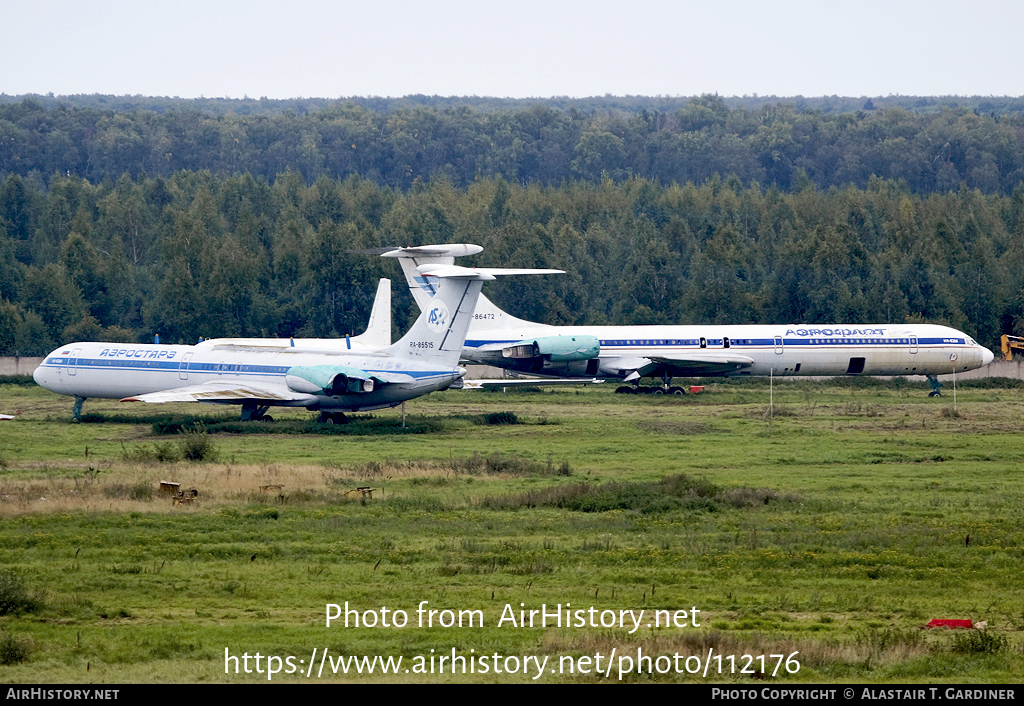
{"x": 694, "y": 389}
{"x": 951, "y": 624}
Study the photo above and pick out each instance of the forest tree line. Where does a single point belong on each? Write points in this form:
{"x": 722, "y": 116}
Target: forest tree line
{"x": 204, "y": 254}
{"x": 122, "y": 224}
{"x": 394, "y": 143}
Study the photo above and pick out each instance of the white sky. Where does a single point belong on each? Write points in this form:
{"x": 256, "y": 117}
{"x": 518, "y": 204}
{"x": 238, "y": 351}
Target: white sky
{"x": 520, "y": 48}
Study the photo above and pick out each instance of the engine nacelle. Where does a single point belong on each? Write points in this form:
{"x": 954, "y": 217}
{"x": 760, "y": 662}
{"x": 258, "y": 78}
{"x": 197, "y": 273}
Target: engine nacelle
{"x": 329, "y": 380}
{"x": 558, "y": 349}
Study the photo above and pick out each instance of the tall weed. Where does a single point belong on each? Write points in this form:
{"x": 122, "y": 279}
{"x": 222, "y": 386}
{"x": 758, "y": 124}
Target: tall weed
{"x": 14, "y": 596}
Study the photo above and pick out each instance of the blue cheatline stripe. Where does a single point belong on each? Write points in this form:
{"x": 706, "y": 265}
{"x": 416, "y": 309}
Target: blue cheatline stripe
{"x": 746, "y": 342}
{"x": 475, "y": 343}
{"x": 143, "y": 365}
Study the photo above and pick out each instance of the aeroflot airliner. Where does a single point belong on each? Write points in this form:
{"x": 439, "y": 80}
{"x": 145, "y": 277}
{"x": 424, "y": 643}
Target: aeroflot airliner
{"x": 259, "y": 377}
{"x": 630, "y": 353}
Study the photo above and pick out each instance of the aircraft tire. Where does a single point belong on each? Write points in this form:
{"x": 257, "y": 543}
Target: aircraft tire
{"x": 657, "y": 391}
{"x": 325, "y": 418}
{"x": 935, "y": 393}
{"x": 676, "y": 391}
{"x": 624, "y": 390}
{"x": 266, "y": 418}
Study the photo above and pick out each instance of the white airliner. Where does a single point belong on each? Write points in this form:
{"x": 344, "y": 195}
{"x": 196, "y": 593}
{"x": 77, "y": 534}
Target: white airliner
{"x": 629, "y": 353}
{"x": 259, "y": 377}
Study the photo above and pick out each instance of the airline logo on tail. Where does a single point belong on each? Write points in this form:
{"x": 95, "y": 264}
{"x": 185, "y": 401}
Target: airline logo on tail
{"x": 437, "y": 319}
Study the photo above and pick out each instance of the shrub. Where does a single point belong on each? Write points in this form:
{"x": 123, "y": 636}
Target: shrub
{"x": 495, "y": 418}
{"x": 12, "y": 649}
{"x": 157, "y": 453}
{"x": 14, "y": 596}
{"x": 196, "y": 444}
{"x": 564, "y": 469}
{"x": 138, "y": 491}
{"x": 978, "y": 642}
{"x": 879, "y": 641}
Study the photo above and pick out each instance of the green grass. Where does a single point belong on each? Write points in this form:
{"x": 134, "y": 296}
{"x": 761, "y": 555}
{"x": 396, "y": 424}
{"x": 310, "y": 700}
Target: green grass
{"x": 833, "y": 527}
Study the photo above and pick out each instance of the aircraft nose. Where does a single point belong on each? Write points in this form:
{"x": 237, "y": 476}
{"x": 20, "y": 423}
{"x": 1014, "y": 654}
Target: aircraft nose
{"x": 986, "y": 356}
{"x": 39, "y": 375}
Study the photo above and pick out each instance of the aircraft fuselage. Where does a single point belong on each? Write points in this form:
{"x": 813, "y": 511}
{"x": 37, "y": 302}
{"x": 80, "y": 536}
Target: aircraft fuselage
{"x": 117, "y": 371}
{"x": 788, "y": 349}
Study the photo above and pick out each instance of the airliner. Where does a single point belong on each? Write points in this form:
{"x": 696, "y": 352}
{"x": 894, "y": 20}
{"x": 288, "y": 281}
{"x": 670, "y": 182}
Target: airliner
{"x": 259, "y": 377}
{"x": 629, "y": 353}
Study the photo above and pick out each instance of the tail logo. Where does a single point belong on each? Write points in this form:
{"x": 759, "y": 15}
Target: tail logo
{"x": 437, "y": 319}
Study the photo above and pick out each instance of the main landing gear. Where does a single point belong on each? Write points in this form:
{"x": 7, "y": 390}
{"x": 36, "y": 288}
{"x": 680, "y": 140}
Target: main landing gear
{"x": 252, "y": 412}
{"x": 332, "y": 418}
{"x": 648, "y": 390}
{"x": 936, "y": 386}
{"x": 665, "y": 389}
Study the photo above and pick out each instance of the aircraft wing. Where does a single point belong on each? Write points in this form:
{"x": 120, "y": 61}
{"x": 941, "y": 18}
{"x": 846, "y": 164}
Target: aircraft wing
{"x": 690, "y": 365}
{"x": 228, "y": 391}
{"x": 698, "y": 364}
{"x": 517, "y": 382}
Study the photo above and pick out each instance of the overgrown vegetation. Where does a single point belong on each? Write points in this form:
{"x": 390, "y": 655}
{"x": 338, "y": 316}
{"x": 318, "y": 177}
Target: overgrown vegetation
{"x": 979, "y": 642}
{"x": 194, "y": 444}
{"x": 15, "y": 598}
{"x": 836, "y": 533}
{"x": 495, "y": 418}
{"x": 13, "y": 649}
{"x": 674, "y": 493}
{"x": 167, "y": 452}
{"x": 366, "y": 424}
{"x": 133, "y": 491}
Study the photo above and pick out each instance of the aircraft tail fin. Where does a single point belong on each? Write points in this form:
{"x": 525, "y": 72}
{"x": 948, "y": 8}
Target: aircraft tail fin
{"x": 439, "y": 333}
{"x": 423, "y": 288}
{"x": 378, "y": 330}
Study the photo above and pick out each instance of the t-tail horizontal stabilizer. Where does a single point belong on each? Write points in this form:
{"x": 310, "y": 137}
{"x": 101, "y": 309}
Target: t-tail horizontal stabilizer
{"x": 423, "y": 287}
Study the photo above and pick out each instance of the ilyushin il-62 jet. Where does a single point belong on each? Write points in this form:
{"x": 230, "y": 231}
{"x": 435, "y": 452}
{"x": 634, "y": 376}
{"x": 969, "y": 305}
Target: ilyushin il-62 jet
{"x": 629, "y": 353}
{"x": 257, "y": 377}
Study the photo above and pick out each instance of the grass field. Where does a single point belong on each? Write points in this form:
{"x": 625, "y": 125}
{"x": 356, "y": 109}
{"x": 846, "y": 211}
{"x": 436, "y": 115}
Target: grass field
{"x": 814, "y": 538}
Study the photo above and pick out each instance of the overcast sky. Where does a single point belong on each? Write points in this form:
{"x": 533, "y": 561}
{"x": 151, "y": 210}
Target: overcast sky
{"x": 525, "y": 48}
